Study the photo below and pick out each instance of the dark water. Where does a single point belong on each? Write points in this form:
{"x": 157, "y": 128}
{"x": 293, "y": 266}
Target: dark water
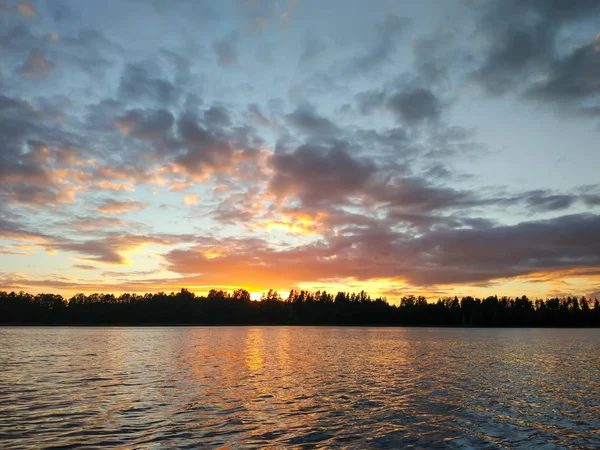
{"x": 303, "y": 387}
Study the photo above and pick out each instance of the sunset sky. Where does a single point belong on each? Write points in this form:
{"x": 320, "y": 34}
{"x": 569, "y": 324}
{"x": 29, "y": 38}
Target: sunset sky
{"x": 400, "y": 147}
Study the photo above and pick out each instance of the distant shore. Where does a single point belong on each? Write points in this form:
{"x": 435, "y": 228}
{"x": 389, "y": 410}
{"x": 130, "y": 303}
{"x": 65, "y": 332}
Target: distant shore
{"x": 221, "y": 308}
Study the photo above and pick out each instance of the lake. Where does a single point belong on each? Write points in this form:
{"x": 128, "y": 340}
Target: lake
{"x": 299, "y": 387}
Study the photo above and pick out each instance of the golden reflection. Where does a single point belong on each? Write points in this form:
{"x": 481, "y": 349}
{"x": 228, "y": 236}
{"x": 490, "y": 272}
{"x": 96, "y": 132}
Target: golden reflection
{"x": 255, "y": 345}
{"x": 283, "y": 348}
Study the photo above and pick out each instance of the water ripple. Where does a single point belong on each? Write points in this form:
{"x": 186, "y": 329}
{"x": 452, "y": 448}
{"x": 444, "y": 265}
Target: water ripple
{"x": 274, "y": 387}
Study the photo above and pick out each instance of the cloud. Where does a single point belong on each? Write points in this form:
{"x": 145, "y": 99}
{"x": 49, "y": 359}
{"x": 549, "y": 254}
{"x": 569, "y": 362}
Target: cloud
{"x": 415, "y": 194}
{"x": 472, "y": 255}
{"x": 241, "y": 207}
{"x": 225, "y": 49}
{"x": 444, "y": 257}
{"x": 209, "y": 148}
{"x": 365, "y": 185}
{"x": 94, "y": 223}
{"x": 319, "y": 174}
{"x": 306, "y": 120}
{"x": 26, "y": 9}
{"x": 544, "y": 201}
{"x": 137, "y": 84}
{"x": 297, "y": 222}
{"x": 36, "y": 65}
{"x": 204, "y": 148}
{"x": 113, "y": 248}
{"x": 217, "y": 116}
{"x": 525, "y": 52}
{"x": 34, "y": 195}
{"x": 121, "y": 206}
{"x": 409, "y": 105}
{"x": 415, "y": 106}
{"x": 85, "y": 267}
{"x": 570, "y": 79}
{"x": 313, "y": 48}
{"x": 146, "y": 125}
{"x": 191, "y": 199}
{"x": 16, "y": 231}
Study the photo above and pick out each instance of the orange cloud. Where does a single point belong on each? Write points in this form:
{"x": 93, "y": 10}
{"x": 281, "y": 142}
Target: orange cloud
{"x": 110, "y": 186}
{"x": 121, "y": 207}
{"x": 95, "y": 223}
{"x": 26, "y": 9}
{"x": 124, "y": 124}
{"x": 113, "y": 249}
{"x": 191, "y": 199}
{"x": 299, "y": 223}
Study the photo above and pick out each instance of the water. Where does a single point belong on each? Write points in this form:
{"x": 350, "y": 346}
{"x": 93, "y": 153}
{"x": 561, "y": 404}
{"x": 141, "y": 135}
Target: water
{"x": 304, "y": 387}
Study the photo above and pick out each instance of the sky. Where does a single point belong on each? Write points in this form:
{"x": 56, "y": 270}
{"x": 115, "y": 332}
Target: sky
{"x": 397, "y": 147}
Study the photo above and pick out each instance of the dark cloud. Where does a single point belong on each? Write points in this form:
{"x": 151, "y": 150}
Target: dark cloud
{"x": 306, "y": 120}
{"x": 60, "y": 11}
{"x": 525, "y": 45}
{"x": 208, "y": 145}
{"x": 438, "y": 172}
{"x": 545, "y": 200}
{"x": 571, "y": 79}
{"x": 36, "y": 65}
{"x": 30, "y": 149}
{"x": 204, "y": 149}
{"x": 217, "y": 116}
{"x": 316, "y": 174}
{"x": 476, "y": 255}
{"x": 394, "y": 140}
{"x": 138, "y": 83}
{"x": 418, "y": 195}
{"x": 515, "y": 52}
{"x": 540, "y": 200}
{"x": 90, "y": 52}
{"x": 32, "y": 195}
{"x": 415, "y": 106}
{"x": 226, "y": 50}
{"x": 410, "y": 105}
{"x": 17, "y": 38}
{"x": 313, "y": 48}
{"x": 591, "y": 199}
{"x": 370, "y": 100}
{"x": 146, "y": 125}
{"x": 35, "y": 54}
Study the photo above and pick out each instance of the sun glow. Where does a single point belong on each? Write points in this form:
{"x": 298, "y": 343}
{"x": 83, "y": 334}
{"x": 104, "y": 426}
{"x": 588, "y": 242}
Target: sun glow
{"x": 302, "y": 224}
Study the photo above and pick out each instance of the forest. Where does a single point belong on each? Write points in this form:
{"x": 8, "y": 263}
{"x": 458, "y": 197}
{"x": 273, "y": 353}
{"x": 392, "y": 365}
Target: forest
{"x": 220, "y": 307}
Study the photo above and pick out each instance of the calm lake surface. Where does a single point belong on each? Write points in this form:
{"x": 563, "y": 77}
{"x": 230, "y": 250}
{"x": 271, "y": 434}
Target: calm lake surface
{"x": 300, "y": 387}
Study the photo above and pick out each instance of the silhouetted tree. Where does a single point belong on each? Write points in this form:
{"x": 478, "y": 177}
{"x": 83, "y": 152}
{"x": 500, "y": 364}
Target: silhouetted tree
{"x": 300, "y": 307}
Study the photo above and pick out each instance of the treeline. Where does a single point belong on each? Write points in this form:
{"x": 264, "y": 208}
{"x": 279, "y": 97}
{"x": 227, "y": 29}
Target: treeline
{"x": 299, "y": 308}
